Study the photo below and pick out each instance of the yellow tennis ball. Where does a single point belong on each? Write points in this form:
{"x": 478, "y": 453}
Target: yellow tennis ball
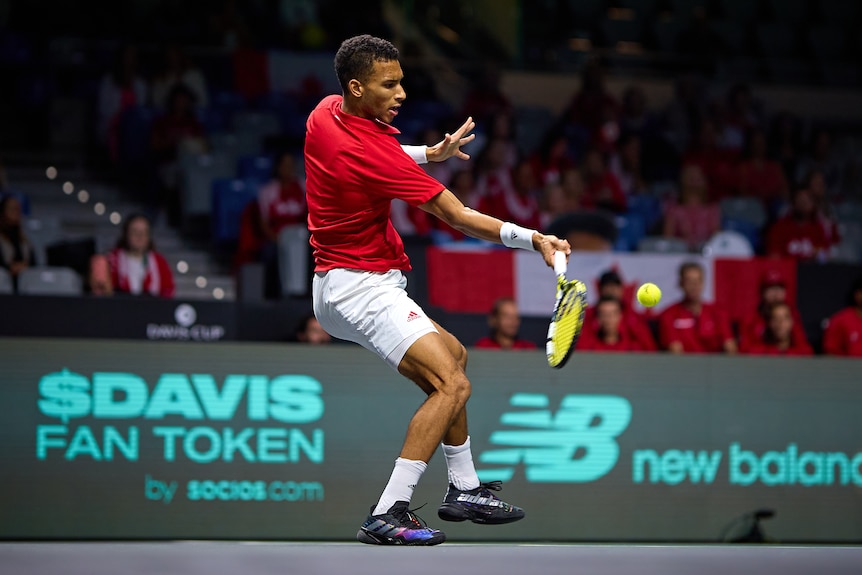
{"x": 649, "y": 295}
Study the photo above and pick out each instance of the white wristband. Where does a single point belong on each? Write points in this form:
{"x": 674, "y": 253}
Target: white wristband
{"x": 514, "y": 236}
{"x": 417, "y": 153}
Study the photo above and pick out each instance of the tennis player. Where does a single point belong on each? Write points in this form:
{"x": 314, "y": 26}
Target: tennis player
{"x": 354, "y": 168}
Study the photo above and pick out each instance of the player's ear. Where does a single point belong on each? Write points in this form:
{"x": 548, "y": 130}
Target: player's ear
{"x": 355, "y": 88}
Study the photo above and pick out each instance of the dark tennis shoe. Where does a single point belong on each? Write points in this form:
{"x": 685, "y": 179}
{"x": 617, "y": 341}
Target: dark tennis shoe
{"x": 398, "y": 526}
{"x": 478, "y": 505}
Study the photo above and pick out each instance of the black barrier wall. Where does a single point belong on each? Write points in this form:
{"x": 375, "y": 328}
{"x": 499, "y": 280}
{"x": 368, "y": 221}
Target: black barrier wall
{"x": 165, "y": 440}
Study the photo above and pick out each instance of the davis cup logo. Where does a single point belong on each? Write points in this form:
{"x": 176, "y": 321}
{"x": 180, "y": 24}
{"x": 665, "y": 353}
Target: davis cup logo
{"x": 185, "y": 327}
{"x": 185, "y": 315}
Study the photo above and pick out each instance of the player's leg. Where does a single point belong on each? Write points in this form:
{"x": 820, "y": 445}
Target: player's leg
{"x": 466, "y": 497}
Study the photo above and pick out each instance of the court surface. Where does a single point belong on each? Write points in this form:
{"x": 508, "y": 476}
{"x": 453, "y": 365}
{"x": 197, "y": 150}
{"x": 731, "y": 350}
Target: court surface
{"x": 250, "y": 558}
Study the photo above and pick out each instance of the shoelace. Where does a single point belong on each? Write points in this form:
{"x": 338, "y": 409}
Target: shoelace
{"x": 415, "y": 519}
{"x": 491, "y": 486}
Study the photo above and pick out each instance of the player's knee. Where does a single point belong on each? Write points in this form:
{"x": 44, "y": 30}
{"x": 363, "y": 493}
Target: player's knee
{"x": 461, "y": 389}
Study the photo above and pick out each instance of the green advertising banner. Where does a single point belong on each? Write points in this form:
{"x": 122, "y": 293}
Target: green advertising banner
{"x": 249, "y": 441}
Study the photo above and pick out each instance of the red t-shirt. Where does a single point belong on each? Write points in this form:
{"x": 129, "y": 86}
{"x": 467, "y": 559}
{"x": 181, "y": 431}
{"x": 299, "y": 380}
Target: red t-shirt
{"x": 354, "y": 169}
{"x": 698, "y": 334}
{"x": 801, "y": 240}
{"x": 843, "y": 335}
{"x": 488, "y": 343}
{"x": 604, "y": 192}
{"x": 765, "y": 181}
{"x": 752, "y": 328}
{"x": 590, "y": 341}
{"x": 634, "y": 326}
{"x": 796, "y": 348}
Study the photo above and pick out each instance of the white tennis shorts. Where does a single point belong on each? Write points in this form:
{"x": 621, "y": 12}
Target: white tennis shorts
{"x": 371, "y": 309}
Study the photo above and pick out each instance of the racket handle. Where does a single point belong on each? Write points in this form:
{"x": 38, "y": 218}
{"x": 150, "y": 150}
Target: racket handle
{"x": 560, "y": 263}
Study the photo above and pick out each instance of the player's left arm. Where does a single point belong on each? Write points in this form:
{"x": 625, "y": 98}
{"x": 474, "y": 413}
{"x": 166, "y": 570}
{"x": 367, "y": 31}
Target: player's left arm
{"x": 449, "y": 208}
{"x": 449, "y": 146}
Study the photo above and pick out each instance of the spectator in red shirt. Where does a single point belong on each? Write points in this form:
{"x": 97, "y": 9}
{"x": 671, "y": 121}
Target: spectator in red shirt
{"x": 799, "y": 234}
{"x": 780, "y": 336}
{"x": 553, "y": 158}
{"x": 816, "y": 182}
{"x": 759, "y": 176}
{"x": 773, "y": 291}
{"x": 282, "y": 200}
{"x": 519, "y": 203}
{"x": 603, "y": 189}
{"x": 136, "y": 267}
{"x": 843, "y": 335}
{"x": 504, "y": 321}
{"x": 691, "y": 325}
{"x": 607, "y": 332}
{"x": 634, "y": 325}
{"x": 693, "y": 218}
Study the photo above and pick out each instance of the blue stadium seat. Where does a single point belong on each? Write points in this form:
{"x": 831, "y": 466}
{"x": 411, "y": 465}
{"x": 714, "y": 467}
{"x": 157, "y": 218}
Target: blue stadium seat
{"x": 229, "y": 197}
{"x": 647, "y": 206}
{"x": 6, "y": 286}
{"x": 631, "y": 228}
{"x": 746, "y": 209}
{"x": 135, "y": 129}
{"x": 255, "y": 167}
{"x": 744, "y": 227}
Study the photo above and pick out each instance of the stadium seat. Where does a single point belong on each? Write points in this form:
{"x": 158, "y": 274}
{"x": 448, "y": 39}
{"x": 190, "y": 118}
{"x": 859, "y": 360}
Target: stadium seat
{"x": 661, "y": 244}
{"x": 849, "y": 212}
{"x": 728, "y": 244}
{"x": 229, "y": 197}
{"x": 257, "y": 167}
{"x": 647, "y": 206}
{"x": 631, "y": 228}
{"x": 745, "y": 228}
{"x": 744, "y": 208}
{"x": 293, "y": 260}
{"x": 6, "y": 286}
{"x": 45, "y": 280}
{"x": 134, "y": 141}
{"x": 197, "y": 178}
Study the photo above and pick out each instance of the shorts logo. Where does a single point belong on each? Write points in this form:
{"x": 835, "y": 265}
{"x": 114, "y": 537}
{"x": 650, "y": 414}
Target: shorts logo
{"x": 577, "y": 444}
{"x": 413, "y": 315}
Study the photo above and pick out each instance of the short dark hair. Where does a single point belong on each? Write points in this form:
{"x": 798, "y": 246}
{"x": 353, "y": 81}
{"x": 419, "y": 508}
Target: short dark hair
{"x": 356, "y": 56}
{"x": 609, "y": 299}
{"x": 499, "y": 303}
{"x": 690, "y": 266}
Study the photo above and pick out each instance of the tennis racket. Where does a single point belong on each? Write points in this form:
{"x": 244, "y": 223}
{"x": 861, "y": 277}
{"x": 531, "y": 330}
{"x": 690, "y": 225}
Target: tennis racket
{"x": 568, "y": 317}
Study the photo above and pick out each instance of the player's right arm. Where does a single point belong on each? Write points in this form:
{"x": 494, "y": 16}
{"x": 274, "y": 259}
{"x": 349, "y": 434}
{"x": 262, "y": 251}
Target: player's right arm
{"x": 449, "y": 208}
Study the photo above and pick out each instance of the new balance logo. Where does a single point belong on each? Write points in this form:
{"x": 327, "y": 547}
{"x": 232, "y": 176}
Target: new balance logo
{"x": 413, "y": 315}
{"x": 575, "y": 445}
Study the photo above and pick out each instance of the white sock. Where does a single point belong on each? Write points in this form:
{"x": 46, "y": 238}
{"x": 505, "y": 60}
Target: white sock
{"x": 401, "y": 484}
{"x": 459, "y": 460}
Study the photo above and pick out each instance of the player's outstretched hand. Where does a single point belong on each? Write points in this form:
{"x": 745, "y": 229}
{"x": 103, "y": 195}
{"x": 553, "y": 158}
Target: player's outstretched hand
{"x": 547, "y": 245}
{"x": 451, "y": 144}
